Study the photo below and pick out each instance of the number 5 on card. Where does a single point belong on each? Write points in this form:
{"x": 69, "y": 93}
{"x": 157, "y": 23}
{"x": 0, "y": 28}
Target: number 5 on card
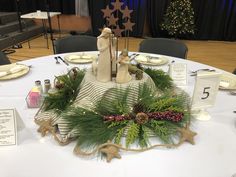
{"x": 205, "y": 91}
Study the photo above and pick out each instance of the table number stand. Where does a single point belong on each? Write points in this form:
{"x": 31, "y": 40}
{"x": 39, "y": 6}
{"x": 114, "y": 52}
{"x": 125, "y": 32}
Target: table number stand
{"x": 204, "y": 96}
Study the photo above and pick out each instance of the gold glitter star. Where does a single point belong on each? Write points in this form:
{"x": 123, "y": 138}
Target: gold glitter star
{"x": 187, "y": 135}
{"x": 118, "y": 31}
{"x": 107, "y": 12}
{"x": 126, "y": 12}
{"x": 117, "y": 5}
{"x": 110, "y": 152}
{"x": 129, "y": 25}
{"x": 112, "y": 20}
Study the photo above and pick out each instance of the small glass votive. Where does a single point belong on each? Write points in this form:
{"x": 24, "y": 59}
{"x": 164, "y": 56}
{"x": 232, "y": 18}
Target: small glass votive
{"x": 34, "y": 99}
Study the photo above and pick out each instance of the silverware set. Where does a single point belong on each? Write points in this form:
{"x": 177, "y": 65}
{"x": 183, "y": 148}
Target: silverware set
{"x": 59, "y": 57}
{"x": 132, "y": 57}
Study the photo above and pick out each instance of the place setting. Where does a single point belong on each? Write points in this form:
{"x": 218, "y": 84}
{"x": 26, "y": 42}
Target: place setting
{"x": 151, "y": 60}
{"x": 80, "y": 58}
{"x": 12, "y": 71}
{"x": 228, "y": 82}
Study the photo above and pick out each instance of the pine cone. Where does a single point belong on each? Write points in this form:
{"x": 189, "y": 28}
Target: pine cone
{"x": 141, "y": 118}
{"x": 59, "y": 85}
{"x": 139, "y": 74}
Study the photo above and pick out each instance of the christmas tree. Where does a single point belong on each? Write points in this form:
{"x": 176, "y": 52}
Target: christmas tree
{"x": 179, "y": 18}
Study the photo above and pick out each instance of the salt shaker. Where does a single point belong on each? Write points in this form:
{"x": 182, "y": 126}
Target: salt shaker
{"x": 47, "y": 85}
{"x": 39, "y": 86}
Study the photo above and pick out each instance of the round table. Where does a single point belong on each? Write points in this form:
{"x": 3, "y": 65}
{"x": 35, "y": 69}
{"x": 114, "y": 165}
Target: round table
{"x": 213, "y": 155}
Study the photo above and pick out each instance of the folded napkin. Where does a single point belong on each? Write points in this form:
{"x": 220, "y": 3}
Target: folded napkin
{"x": 156, "y": 61}
{"x": 73, "y": 57}
{"x": 224, "y": 84}
{"x": 13, "y": 70}
{"x": 17, "y": 69}
{"x": 78, "y": 57}
{"x": 86, "y": 57}
{"x": 4, "y": 73}
{"x": 141, "y": 58}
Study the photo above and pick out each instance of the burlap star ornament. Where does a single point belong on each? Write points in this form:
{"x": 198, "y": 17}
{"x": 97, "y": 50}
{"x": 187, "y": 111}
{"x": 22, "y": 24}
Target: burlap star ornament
{"x": 111, "y": 152}
{"x": 187, "y": 135}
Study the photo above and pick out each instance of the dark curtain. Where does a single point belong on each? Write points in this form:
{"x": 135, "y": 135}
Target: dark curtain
{"x": 26, "y": 6}
{"x": 214, "y": 19}
{"x": 7, "y": 5}
{"x": 155, "y": 14}
{"x": 137, "y": 16}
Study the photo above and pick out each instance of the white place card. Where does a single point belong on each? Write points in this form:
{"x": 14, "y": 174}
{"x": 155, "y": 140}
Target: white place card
{"x": 205, "y": 91}
{"x": 10, "y": 124}
{"x": 178, "y": 73}
{"x": 8, "y": 127}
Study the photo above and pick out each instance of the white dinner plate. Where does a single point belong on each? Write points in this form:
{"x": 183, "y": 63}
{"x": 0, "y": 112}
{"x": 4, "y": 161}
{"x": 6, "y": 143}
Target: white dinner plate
{"x": 152, "y": 60}
{"x": 228, "y": 82}
{"x": 12, "y": 71}
{"x": 79, "y": 59}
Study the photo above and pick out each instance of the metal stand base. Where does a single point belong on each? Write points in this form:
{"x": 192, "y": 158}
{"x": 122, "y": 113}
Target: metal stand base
{"x": 201, "y": 115}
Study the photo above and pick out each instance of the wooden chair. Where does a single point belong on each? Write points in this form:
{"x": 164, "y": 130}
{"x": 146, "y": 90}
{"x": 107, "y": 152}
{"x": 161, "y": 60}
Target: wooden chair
{"x": 164, "y": 46}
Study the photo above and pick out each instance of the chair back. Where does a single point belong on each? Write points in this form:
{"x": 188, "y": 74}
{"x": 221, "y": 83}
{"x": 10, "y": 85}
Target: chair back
{"x": 4, "y": 59}
{"x": 164, "y": 46}
{"x": 75, "y": 43}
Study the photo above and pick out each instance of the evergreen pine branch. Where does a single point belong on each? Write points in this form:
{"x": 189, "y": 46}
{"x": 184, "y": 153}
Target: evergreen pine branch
{"x": 145, "y": 98}
{"x": 66, "y": 95}
{"x": 143, "y": 137}
{"x": 170, "y": 101}
{"x": 114, "y": 102}
{"x": 92, "y": 129}
{"x": 160, "y": 78}
{"x": 162, "y": 129}
{"x": 132, "y": 133}
{"x": 114, "y": 124}
{"x": 119, "y": 134}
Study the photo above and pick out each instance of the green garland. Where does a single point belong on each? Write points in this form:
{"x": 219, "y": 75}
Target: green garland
{"x": 67, "y": 90}
{"x": 160, "y": 78}
{"x": 113, "y": 118}
{"x": 66, "y": 94}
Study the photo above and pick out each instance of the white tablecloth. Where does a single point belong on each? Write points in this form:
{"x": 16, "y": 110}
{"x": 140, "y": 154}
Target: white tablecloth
{"x": 214, "y": 154}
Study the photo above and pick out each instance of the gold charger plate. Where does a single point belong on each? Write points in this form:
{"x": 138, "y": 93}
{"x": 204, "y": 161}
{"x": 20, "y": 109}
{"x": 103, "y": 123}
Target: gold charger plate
{"x": 227, "y": 82}
{"x": 79, "y": 59}
{"x": 152, "y": 60}
{"x": 6, "y": 68}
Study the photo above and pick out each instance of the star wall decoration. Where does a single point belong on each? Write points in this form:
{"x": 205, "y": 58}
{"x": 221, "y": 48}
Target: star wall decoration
{"x": 107, "y": 12}
{"x": 118, "y": 31}
{"x": 126, "y": 12}
{"x": 118, "y": 17}
{"x": 117, "y": 5}
{"x": 112, "y": 20}
{"x": 129, "y": 25}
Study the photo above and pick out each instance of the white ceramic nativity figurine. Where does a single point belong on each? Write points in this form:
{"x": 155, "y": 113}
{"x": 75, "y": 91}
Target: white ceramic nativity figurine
{"x": 105, "y": 56}
{"x": 123, "y": 75}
